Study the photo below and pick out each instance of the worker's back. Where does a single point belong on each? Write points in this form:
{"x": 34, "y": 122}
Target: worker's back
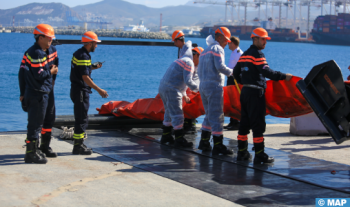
{"x": 212, "y": 64}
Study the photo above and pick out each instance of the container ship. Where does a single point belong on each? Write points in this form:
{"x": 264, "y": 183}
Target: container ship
{"x": 332, "y": 29}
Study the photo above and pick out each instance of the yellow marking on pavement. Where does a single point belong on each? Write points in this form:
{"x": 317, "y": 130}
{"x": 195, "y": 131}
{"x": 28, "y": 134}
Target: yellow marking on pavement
{"x": 70, "y": 188}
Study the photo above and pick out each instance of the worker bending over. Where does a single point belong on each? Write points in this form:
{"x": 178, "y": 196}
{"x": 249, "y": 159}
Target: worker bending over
{"x": 251, "y": 71}
{"x": 36, "y": 79}
{"x": 172, "y": 90}
{"x": 178, "y": 37}
{"x": 235, "y": 55}
{"x": 81, "y": 84}
{"x": 211, "y": 66}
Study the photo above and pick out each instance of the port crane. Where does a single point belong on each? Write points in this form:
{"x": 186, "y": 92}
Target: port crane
{"x": 297, "y": 4}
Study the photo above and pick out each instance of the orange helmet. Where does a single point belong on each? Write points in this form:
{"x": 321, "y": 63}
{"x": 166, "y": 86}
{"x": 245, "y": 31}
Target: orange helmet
{"x": 177, "y": 34}
{"x": 260, "y": 32}
{"x": 199, "y": 50}
{"x": 224, "y": 31}
{"x": 44, "y": 29}
{"x": 89, "y": 37}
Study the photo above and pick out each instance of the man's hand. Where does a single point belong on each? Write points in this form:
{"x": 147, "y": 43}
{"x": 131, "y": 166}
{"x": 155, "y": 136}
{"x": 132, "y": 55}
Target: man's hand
{"x": 97, "y": 67}
{"x": 21, "y": 98}
{"x": 103, "y": 93}
{"x": 187, "y": 99}
{"x": 288, "y": 76}
{"x": 54, "y": 69}
{"x": 349, "y": 67}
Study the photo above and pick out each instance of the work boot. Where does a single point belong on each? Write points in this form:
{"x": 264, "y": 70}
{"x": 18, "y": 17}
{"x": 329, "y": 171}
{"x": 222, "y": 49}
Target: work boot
{"x": 260, "y": 155}
{"x": 80, "y": 148}
{"x": 166, "y": 136}
{"x": 37, "y": 147}
{"x": 232, "y": 126}
{"x": 190, "y": 126}
{"x": 204, "y": 144}
{"x": 45, "y": 145}
{"x": 220, "y": 148}
{"x": 180, "y": 141}
{"x": 32, "y": 153}
{"x": 243, "y": 153}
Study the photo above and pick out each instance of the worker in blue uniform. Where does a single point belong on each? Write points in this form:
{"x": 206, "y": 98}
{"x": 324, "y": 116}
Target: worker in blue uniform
{"x": 37, "y": 70}
{"x": 251, "y": 71}
{"x": 81, "y": 84}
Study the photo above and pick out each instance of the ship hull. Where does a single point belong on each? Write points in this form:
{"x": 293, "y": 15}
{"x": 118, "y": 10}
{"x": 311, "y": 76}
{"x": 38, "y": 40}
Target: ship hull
{"x": 331, "y": 39}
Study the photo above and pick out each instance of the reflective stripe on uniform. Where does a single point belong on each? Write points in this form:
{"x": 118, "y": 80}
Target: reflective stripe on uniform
{"x": 211, "y": 52}
{"x": 79, "y": 136}
{"x": 81, "y": 62}
{"x": 184, "y": 65}
{"x": 36, "y": 60}
{"x": 35, "y": 63}
{"x": 251, "y": 59}
{"x": 258, "y": 139}
{"x": 242, "y": 137}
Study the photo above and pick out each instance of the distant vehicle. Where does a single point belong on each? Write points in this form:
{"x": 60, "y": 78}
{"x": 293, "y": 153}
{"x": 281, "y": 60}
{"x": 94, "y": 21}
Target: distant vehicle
{"x": 332, "y": 29}
{"x": 136, "y": 28}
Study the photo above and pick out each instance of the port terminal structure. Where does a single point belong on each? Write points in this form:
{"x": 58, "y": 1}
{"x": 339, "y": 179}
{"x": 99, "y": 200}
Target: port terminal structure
{"x": 290, "y": 5}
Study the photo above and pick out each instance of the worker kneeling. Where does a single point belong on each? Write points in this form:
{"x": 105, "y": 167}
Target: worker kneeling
{"x": 210, "y": 69}
{"x": 172, "y": 89}
{"x": 251, "y": 71}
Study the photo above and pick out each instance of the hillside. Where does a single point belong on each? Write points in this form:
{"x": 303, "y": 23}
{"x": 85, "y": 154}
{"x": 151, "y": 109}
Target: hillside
{"x": 34, "y": 13}
{"x": 123, "y": 13}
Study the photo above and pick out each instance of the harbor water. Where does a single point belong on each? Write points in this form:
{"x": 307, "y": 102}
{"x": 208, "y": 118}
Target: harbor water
{"x": 134, "y": 72}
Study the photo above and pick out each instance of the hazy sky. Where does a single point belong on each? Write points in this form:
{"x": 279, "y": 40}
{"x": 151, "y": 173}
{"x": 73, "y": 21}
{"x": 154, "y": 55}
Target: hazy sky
{"x": 5, "y": 4}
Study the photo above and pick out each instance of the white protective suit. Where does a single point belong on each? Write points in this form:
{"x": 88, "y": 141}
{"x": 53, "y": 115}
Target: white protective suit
{"x": 173, "y": 86}
{"x": 210, "y": 69}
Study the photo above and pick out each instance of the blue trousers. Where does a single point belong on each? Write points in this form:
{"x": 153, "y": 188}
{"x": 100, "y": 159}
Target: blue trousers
{"x": 36, "y": 105}
{"x": 253, "y": 112}
{"x": 50, "y": 115}
{"x": 81, "y": 100}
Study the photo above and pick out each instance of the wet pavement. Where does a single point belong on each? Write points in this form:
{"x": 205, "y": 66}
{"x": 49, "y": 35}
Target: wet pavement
{"x": 302, "y": 168}
{"x": 238, "y": 182}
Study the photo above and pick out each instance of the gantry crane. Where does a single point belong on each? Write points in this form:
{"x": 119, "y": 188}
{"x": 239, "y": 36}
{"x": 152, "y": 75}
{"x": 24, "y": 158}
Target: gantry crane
{"x": 279, "y": 3}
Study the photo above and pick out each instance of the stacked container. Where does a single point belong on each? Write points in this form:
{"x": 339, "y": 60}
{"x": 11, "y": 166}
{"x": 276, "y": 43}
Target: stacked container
{"x": 333, "y": 24}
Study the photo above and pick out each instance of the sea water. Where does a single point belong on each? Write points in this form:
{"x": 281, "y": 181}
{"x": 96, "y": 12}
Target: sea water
{"x": 134, "y": 72}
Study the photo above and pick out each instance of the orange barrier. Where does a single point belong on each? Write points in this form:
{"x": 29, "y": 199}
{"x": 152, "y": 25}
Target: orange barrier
{"x": 283, "y": 99}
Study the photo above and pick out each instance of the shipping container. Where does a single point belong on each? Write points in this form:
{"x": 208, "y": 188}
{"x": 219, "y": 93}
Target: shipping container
{"x": 325, "y": 30}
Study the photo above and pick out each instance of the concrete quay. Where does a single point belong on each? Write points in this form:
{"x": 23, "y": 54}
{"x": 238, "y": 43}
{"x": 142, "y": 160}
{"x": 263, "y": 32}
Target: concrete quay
{"x": 103, "y": 180}
{"x": 102, "y": 33}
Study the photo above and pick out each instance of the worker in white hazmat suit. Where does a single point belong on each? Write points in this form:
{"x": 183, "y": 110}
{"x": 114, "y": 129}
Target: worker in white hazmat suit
{"x": 172, "y": 90}
{"x": 210, "y": 69}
